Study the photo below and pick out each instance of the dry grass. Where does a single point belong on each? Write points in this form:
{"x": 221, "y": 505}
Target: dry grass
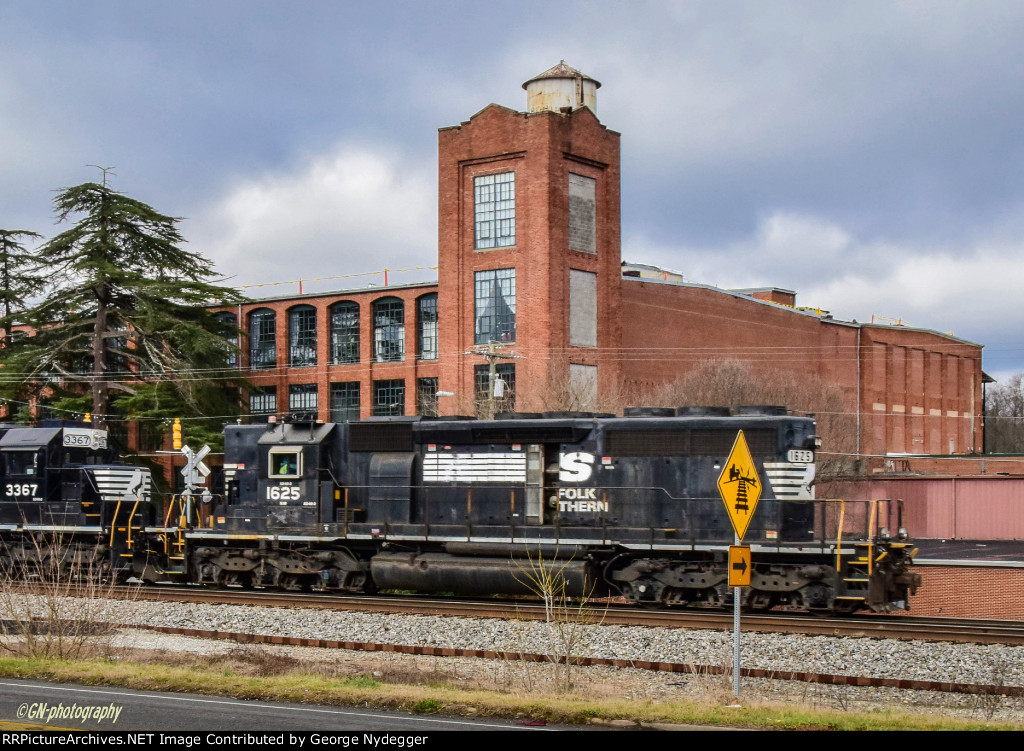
{"x": 57, "y": 599}
{"x": 447, "y": 686}
{"x": 473, "y": 687}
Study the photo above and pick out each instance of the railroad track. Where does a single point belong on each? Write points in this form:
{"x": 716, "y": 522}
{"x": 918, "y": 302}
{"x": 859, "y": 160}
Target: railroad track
{"x": 923, "y": 628}
{"x": 900, "y": 627}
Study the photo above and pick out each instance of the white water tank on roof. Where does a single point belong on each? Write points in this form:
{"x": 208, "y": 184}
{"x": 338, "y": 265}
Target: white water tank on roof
{"x": 561, "y": 88}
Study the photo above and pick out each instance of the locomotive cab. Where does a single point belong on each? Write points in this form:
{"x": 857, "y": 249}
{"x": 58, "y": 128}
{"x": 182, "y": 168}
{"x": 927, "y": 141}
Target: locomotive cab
{"x": 286, "y": 484}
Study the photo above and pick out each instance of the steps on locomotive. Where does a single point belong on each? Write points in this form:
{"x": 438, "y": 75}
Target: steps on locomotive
{"x": 859, "y": 578}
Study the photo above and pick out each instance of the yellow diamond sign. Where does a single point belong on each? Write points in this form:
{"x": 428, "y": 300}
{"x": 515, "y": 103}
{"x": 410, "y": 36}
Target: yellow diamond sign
{"x": 739, "y": 486}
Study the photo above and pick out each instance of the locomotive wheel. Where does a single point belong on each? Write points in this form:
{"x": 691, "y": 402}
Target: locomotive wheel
{"x": 241, "y": 579}
{"x": 759, "y": 602}
{"x": 295, "y": 583}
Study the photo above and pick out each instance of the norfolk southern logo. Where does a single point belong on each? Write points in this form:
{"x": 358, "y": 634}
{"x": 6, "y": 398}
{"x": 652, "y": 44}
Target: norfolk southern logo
{"x": 578, "y": 466}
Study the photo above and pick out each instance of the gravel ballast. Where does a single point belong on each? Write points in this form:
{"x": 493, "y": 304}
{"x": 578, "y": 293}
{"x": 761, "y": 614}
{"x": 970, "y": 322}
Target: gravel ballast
{"x": 984, "y": 664}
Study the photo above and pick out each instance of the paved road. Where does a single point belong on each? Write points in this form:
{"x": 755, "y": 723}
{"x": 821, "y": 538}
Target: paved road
{"x": 43, "y": 706}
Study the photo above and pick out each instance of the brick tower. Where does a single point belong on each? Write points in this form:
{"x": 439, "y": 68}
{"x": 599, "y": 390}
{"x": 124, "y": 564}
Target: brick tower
{"x": 529, "y": 252}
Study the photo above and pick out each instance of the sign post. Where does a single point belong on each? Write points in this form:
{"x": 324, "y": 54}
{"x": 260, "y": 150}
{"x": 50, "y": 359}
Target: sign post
{"x": 740, "y": 488}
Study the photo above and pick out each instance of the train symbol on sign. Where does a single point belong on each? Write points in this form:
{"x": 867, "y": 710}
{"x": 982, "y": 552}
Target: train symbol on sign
{"x": 739, "y": 486}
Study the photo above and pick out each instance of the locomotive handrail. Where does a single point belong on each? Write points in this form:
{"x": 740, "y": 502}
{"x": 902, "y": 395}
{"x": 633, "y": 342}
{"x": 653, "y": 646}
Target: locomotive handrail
{"x": 603, "y": 523}
{"x": 113, "y": 521}
{"x": 839, "y": 534}
{"x": 872, "y": 527}
{"x": 130, "y": 517}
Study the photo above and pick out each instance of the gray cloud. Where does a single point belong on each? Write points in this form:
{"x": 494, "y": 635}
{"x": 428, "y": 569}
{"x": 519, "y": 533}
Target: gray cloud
{"x": 866, "y": 154}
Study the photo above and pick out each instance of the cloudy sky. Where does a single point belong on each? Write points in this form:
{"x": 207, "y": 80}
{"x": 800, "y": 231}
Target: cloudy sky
{"x": 868, "y": 155}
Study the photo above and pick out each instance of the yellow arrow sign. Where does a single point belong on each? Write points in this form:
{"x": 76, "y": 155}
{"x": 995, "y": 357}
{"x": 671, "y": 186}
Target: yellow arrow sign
{"x": 739, "y": 486}
{"x": 739, "y": 566}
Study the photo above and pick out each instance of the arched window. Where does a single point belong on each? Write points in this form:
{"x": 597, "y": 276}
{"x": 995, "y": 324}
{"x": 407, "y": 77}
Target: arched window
{"x": 344, "y": 333}
{"x": 426, "y": 327}
{"x": 302, "y": 336}
{"x": 262, "y": 339}
{"x": 389, "y": 330}
{"x": 230, "y": 321}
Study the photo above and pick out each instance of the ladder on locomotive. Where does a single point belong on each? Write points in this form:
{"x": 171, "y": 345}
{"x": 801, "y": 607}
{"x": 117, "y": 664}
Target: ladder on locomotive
{"x": 174, "y": 543}
{"x": 857, "y": 580}
{"x": 131, "y": 525}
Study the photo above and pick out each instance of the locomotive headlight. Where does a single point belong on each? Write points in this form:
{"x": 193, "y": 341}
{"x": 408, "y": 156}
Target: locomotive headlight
{"x": 884, "y": 533}
{"x": 902, "y": 533}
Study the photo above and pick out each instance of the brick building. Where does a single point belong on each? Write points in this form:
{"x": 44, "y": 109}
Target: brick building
{"x": 533, "y": 294}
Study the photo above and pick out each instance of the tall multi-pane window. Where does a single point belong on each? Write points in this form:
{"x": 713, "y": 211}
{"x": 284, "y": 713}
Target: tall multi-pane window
{"x": 426, "y": 327}
{"x": 263, "y": 403}
{"x": 388, "y": 398}
{"x": 500, "y": 394}
{"x": 494, "y": 210}
{"x": 426, "y": 397}
{"x": 230, "y": 321}
{"x": 345, "y": 402}
{"x": 262, "y": 339}
{"x": 302, "y": 400}
{"x": 495, "y": 306}
{"x": 388, "y": 330}
{"x": 344, "y": 333}
{"x": 302, "y": 336}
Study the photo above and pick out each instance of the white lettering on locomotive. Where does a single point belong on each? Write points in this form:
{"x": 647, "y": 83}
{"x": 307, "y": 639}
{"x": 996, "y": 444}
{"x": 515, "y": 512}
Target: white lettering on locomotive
{"x": 578, "y": 494}
{"x": 593, "y": 507}
{"x": 576, "y": 466}
{"x": 580, "y": 500}
{"x": 283, "y": 493}
{"x": 20, "y": 489}
{"x": 88, "y": 438}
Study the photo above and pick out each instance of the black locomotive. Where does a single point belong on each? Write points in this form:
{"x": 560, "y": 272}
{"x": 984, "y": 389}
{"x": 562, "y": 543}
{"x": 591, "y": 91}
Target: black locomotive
{"x": 611, "y": 506}
{"x": 618, "y": 506}
{"x": 68, "y": 507}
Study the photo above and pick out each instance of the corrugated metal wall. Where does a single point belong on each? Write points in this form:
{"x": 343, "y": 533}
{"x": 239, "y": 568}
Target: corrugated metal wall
{"x": 973, "y": 508}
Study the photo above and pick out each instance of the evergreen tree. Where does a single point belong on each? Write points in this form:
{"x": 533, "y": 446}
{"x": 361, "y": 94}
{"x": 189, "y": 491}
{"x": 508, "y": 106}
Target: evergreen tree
{"x": 19, "y": 277}
{"x": 124, "y": 319}
{"x": 19, "y": 281}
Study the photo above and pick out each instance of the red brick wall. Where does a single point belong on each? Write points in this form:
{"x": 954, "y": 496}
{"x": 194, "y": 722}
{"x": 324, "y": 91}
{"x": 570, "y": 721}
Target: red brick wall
{"x": 921, "y": 392}
{"x": 969, "y": 592}
{"x": 366, "y": 371}
{"x": 542, "y": 149}
{"x": 681, "y": 326}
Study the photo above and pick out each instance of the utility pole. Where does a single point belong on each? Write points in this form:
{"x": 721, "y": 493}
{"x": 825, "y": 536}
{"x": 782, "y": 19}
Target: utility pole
{"x": 491, "y": 353}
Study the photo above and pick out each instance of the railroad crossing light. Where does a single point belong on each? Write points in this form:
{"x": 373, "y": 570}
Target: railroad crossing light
{"x": 88, "y": 417}
{"x": 176, "y": 434}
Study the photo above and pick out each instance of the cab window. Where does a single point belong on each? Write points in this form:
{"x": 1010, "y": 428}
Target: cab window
{"x": 285, "y": 463}
{"x": 21, "y": 462}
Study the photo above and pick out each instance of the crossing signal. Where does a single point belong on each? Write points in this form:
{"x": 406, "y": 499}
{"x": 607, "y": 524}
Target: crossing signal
{"x": 176, "y": 434}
